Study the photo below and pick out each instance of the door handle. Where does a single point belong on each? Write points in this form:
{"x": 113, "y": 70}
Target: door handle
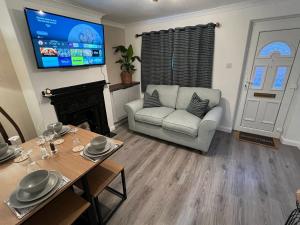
{"x": 247, "y": 84}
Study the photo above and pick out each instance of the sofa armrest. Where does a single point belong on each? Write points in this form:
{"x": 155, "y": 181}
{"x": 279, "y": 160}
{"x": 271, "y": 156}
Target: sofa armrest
{"x": 134, "y": 106}
{"x": 212, "y": 119}
{"x": 131, "y": 108}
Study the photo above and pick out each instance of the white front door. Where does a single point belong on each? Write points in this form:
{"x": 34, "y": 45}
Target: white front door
{"x": 274, "y": 56}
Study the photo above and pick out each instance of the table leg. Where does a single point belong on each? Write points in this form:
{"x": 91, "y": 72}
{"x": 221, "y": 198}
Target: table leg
{"x": 87, "y": 195}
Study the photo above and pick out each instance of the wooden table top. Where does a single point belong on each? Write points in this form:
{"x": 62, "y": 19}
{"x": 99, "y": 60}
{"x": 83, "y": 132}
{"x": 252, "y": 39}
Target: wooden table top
{"x": 68, "y": 163}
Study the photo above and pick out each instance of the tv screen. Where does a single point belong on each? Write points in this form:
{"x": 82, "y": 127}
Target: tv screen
{"x": 60, "y": 41}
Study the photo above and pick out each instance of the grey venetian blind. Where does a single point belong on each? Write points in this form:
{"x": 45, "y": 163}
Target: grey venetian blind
{"x": 157, "y": 52}
{"x": 193, "y": 56}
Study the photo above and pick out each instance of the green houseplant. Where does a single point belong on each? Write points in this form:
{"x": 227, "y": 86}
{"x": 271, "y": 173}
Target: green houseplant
{"x": 126, "y": 61}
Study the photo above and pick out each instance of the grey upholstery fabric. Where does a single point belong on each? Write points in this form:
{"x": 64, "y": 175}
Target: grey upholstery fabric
{"x": 185, "y": 94}
{"x": 179, "y": 126}
{"x": 193, "y": 56}
{"x": 183, "y": 122}
{"x": 157, "y": 52}
{"x": 151, "y": 100}
{"x": 198, "y": 106}
{"x": 167, "y": 94}
{"x": 131, "y": 108}
{"x": 153, "y": 116}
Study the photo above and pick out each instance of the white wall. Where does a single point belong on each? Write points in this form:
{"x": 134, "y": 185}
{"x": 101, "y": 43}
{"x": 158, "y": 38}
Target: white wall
{"x": 114, "y": 36}
{"x": 33, "y": 80}
{"x": 11, "y": 97}
{"x": 230, "y": 44}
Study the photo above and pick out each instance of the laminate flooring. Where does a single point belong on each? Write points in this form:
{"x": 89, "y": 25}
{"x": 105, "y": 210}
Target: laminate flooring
{"x": 235, "y": 183}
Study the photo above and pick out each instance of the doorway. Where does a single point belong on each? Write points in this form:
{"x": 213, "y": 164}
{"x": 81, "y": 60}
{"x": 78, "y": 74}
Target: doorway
{"x": 270, "y": 80}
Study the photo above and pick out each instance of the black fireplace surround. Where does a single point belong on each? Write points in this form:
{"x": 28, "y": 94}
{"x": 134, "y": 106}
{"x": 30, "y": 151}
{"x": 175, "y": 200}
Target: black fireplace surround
{"x": 82, "y": 103}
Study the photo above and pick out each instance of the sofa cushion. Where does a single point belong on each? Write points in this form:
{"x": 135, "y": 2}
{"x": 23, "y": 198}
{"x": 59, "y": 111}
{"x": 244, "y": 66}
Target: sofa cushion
{"x": 153, "y": 116}
{"x": 183, "y": 122}
{"x": 167, "y": 94}
{"x": 198, "y": 106}
{"x": 151, "y": 100}
{"x": 185, "y": 94}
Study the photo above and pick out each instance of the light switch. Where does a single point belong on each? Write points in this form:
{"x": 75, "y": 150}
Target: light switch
{"x": 228, "y": 65}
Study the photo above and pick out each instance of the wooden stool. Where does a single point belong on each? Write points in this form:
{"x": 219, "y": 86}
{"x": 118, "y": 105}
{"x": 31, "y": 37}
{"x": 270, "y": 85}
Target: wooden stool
{"x": 63, "y": 210}
{"x": 99, "y": 179}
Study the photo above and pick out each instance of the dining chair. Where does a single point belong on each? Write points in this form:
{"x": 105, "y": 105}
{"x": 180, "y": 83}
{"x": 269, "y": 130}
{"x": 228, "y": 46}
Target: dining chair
{"x": 14, "y": 124}
{"x": 65, "y": 209}
{"x": 99, "y": 179}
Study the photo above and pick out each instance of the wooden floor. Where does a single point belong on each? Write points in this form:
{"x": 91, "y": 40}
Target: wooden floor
{"x": 234, "y": 183}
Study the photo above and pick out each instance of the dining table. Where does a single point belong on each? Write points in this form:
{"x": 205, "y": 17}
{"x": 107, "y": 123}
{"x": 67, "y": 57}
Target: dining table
{"x": 70, "y": 164}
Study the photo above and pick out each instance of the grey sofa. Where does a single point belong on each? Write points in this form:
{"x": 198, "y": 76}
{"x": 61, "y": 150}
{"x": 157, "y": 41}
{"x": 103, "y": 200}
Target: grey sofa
{"x": 172, "y": 122}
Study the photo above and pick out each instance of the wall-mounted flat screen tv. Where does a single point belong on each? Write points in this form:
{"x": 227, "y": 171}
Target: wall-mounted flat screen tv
{"x": 60, "y": 41}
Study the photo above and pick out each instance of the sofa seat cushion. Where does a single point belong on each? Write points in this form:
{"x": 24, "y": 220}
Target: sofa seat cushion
{"x": 153, "y": 115}
{"x": 183, "y": 122}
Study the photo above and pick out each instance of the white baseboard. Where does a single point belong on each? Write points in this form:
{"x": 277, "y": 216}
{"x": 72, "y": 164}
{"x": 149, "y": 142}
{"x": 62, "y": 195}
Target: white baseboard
{"x": 224, "y": 129}
{"x": 112, "y": 128}
{"x": 287, "y": 141}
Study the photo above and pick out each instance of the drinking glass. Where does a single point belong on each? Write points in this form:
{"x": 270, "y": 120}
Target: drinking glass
{"x": 75, "y": 139}
{"x": 57, "y": 136}
{"x": 32, "y": 165}
{"x": 15, "y": 141}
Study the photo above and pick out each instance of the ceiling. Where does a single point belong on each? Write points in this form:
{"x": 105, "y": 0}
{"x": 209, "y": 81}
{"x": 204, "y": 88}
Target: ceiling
{"x": 128, "y": 11}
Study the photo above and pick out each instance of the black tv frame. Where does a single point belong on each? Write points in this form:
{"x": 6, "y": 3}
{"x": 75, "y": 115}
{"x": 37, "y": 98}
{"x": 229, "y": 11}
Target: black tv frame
{"x": 55, "y": 67}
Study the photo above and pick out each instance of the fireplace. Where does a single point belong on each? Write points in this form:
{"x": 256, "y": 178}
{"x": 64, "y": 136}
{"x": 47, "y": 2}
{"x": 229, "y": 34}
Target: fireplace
{"x": 82, "y": 104}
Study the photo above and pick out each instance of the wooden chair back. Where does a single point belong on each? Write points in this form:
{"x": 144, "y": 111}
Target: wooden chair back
{"x": 2, "y": 130}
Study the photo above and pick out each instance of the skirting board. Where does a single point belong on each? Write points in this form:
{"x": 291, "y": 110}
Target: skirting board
{"x": 224, "y": 129}
{"x": 112, "y": 128}
{"x": 287, "y": 141}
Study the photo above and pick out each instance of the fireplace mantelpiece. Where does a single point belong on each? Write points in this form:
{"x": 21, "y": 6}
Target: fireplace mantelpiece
{"x": 82, "y": 103}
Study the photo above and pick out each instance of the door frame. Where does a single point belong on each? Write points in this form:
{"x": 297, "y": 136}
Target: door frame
{"x": 257, "y": 26}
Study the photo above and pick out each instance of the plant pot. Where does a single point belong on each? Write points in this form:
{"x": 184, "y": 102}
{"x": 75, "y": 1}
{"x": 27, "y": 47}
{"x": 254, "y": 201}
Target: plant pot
{"x": 126, "y": 77}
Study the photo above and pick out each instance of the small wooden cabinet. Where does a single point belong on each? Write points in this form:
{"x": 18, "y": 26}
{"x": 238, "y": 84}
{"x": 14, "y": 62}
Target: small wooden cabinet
{"x": 122, "y": 95}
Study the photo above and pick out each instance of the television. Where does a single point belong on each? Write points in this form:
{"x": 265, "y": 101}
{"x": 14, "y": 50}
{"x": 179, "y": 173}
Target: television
{"x": 60, "y": 41}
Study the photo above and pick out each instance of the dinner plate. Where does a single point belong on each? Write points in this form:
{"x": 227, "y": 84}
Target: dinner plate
{"x": 10, "y": 151}
{"x": 24, "y": 196}
{"x": 13, "y": 202}
{"x": 15, "y": 154}
{"x": 85, "y": 152}
{"x": 94, "y": 151}
{"x": 64, "y": 130}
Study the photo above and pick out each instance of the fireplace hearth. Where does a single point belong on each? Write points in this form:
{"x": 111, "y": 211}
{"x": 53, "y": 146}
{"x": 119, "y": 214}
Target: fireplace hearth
{"x": 80, "y": 104}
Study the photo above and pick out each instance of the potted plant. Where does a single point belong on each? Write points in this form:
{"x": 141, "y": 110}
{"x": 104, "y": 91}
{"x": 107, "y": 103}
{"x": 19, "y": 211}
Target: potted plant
{"x": 126, "y": 61}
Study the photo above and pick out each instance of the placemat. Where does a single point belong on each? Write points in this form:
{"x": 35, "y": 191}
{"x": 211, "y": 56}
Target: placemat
{"x": 96, "y": 159}
{"x": 20, "y": 213}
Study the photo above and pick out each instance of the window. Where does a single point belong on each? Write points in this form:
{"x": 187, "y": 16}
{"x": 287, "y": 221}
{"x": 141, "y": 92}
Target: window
{"x": 281, "y": 73}
{"x": 258, "y": 77}
{"x": 277, "y": 46}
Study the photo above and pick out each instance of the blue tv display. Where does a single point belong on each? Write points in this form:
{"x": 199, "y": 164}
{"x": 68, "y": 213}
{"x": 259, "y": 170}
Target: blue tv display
{"x": 60, "y": 41}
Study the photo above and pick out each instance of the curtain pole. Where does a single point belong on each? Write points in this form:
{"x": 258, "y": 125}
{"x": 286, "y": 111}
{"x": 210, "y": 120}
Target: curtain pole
{"x": 216, "y": 25}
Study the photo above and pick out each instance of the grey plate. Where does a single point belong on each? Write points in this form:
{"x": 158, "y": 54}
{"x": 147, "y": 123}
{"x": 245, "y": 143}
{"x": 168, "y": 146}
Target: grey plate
{"x": 85, "y": 152}
{"x": 7, "y": 154}
{"x": 64, "y": 130}
{"x": 21, "y": 205}
{"x": 94, "y": 151}
{"x": 24, "y": 196}
{"x": 14, "y": 155}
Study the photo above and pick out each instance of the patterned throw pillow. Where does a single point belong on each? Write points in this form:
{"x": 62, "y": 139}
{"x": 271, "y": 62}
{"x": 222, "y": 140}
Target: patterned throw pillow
{"x": 151, "y": 100}
{"x": 197, "y": 106}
